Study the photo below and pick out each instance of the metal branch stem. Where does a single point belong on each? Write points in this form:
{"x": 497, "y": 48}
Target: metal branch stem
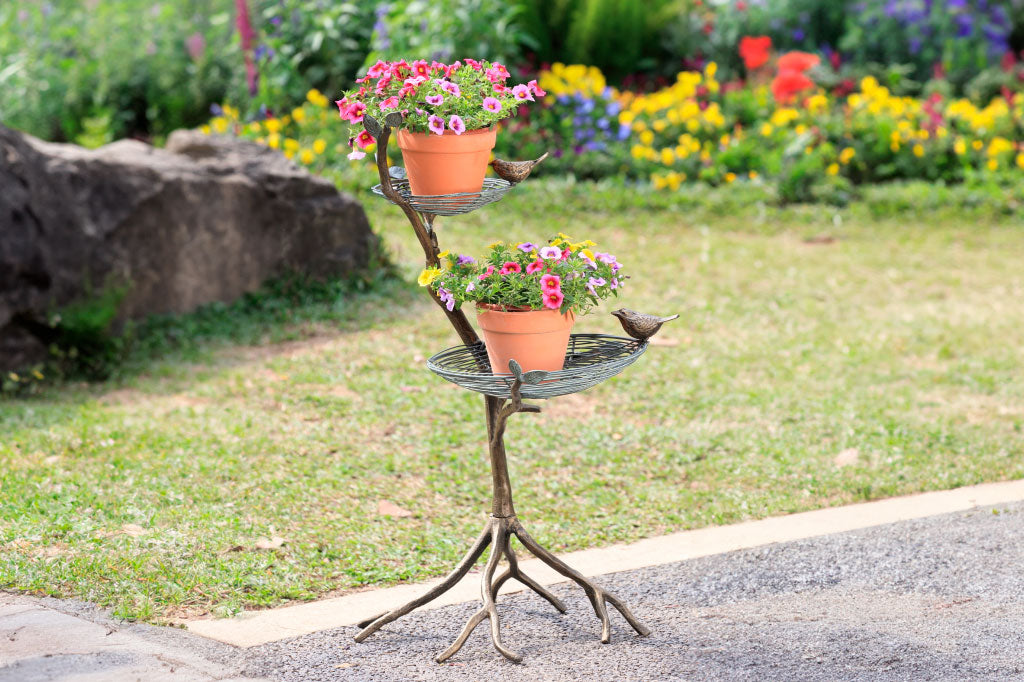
{"x": 503, "y": 524}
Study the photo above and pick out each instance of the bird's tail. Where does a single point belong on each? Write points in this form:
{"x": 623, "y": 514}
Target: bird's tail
{"x": 670, "y": 318}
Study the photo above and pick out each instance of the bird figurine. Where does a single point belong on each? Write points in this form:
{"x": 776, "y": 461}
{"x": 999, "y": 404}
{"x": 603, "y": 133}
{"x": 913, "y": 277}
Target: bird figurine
{"x": 640, "y": 325}
{"x": 515, "y": 171}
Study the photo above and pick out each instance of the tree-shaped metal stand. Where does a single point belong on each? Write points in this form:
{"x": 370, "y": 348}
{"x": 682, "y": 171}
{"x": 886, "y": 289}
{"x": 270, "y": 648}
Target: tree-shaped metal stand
{"x": 503, "y": 523}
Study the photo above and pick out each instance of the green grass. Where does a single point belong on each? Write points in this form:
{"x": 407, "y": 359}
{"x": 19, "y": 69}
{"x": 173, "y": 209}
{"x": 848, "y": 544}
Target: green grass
{"x": 805, "y": 332}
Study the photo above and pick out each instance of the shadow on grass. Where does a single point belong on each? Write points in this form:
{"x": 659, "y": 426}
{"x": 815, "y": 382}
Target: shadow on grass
{"x": 286, "y": 309}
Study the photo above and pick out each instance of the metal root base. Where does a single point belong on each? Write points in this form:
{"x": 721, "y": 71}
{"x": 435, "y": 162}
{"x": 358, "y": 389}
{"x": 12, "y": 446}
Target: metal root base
{"x": 498, "y": 533}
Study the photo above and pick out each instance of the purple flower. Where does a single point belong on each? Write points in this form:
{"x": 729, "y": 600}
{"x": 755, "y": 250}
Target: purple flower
{"x": 465, "y": 260}
{"x": 593, "y": 283}
{"x": 436, "y": 125}
{"x": 434, "y": 99}
{"x": 492, "y": 104}
{"x": 470, "y": 286}
{"x": 451, "y": 88}
{"x": 522, "y": 93}
{"x": 551, "y": 253}
{"x": 456, "y": 124}
{"x": 527, "y": 247}
{"x": 446, "y": 297}
{"x": 798, "y": 34}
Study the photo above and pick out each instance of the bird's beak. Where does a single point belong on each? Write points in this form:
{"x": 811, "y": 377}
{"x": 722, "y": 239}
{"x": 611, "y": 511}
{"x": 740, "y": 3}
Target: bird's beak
{"x": 618, "y": 312}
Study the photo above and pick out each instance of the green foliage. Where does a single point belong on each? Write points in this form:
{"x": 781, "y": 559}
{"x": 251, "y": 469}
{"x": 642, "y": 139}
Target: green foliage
{"x": 618, "y": 36}
{"x": 83, "y": 342}
{"x": 446, "y": 30}
{"x": 118, "y": 67}
{"x": 306, "y": 44}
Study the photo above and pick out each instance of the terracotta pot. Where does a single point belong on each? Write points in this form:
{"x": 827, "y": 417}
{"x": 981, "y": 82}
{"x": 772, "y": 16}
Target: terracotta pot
{"x": 536, "y": 339}
{"x": 449, "y": 163}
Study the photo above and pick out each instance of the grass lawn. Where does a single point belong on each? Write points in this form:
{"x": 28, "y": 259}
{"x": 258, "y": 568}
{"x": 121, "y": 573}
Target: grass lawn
{"x": 823, "y": 357}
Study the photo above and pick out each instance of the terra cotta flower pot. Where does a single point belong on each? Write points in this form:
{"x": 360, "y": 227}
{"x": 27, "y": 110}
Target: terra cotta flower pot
{"x": 536, "y": 339}
{"x": 448, "y": 163}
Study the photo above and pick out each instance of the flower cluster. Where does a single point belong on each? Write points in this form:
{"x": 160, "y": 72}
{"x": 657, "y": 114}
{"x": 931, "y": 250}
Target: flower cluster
{"x": 560, "y": 275}
{"x": 433, "y": 97}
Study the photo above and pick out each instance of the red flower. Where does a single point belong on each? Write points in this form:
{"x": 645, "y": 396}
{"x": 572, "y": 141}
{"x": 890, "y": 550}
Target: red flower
{"x": 509, "y": 267}
{"x": 755, "y": 51}
{"x": 798, "y": 61}
{"x": 787, "y": 83}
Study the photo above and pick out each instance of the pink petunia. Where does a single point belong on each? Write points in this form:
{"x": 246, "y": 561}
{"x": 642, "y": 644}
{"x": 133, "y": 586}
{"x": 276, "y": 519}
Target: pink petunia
{"x": 492, "y": 104}
{"x": 535, "y": 266}
{"x": 550, "y": 253}
{"x": 436, "y": 124}
{"x": 382, "y": 85}
{"x": 364, "y": 139}
{"x": 522, "y": 93}
{"x": 434, "y": 100}
{"x": 420, "y": 68}
{"x": 510, "y": 267}
{"x": 487, "y": 273}
{"x": 389, "y": 103}
{"x": 536, "y": 89}
{"x": 473, "y": 63}
{"x": 378, "y": 69}
{"x": 355, "y": 155}
{"x": 456, "y": 125}
{"x": 451, "y": 88}
{"x": 550, "y": 283}
{"x": 553, "y": 299}
{"x": 500, "y": 88}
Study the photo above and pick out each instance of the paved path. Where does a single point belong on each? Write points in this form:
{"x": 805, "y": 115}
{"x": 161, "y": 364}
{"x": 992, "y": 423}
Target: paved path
{"x": 940, "y": 598}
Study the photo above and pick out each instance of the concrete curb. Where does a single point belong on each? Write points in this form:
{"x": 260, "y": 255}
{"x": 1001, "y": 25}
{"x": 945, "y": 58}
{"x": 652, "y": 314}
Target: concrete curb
{"x": 253, "y": 628}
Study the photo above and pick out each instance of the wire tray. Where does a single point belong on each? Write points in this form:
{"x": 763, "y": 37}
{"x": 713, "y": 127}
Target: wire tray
{"x": 450, "y": 204}
{"x": 589, "y": 360}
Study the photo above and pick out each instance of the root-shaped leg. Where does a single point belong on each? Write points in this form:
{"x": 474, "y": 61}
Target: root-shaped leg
{"x": 598, "y": 597}
{"x": 513, "y": 571}
{"x": 371, "y": 626}
{"x": 499, "y": 544}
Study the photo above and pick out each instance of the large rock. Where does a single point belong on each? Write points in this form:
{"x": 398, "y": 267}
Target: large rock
{"x": 206, "y": 219}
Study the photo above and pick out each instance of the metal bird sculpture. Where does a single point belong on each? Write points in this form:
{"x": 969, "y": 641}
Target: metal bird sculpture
{"x": 640, "y": 325}
{"x": 515, "y": 171}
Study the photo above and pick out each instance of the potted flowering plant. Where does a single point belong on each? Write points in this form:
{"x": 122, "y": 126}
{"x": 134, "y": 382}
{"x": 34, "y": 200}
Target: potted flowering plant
{"x": 449, "y": 114}
{"x": 527, "y": 296}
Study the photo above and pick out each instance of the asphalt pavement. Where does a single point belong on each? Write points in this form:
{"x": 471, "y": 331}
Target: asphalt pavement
{"x": 940, "y": 598}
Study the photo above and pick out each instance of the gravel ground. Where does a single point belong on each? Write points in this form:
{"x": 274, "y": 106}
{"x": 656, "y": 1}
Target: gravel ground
{"x": 935, "y": 599}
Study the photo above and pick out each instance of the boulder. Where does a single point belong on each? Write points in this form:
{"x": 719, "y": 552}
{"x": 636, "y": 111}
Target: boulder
{"x": 206, "y": 219}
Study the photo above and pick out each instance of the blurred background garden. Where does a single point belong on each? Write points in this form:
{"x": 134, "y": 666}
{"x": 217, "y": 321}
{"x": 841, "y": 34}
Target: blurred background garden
{"x": 812, "y": 98}
{"x": 829, "y": 193}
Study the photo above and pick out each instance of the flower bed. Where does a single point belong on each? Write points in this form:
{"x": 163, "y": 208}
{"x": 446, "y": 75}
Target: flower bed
{"x": 698, "y": 129}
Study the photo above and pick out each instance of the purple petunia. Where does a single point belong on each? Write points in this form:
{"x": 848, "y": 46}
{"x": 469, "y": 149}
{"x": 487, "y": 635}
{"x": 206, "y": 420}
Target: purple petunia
{"x": 436, "y": 125}
{"x": 527, "y": 247}
{"x": 434, "y": 100}
{"x": 465, "y": 260}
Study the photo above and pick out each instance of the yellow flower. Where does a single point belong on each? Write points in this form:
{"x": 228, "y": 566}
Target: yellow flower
{"x": 254, "y": 127}
{"x": 960, "y": 147}
{"x": 306, "y": 156}
{"x": 495, "y": 244}
{"x": 647, "y": 137}
{"x": 220, "y": 124}
{"x": 1020, "y": 160}
{"x": 273, "y": 140}
{"x": 638, "y": 151}
{"x": 660, "y": 125}
{"x": 977, "y": 145}
{"x": 724, "y": 140}
{"x": 800, "y": 129}
{"x": 992, "y": 164}
{"x": 273, "y": 125}
{"x": 766, "y": 129}
{"x": 205, "y": 130}
{"x": 693, "y": 125}
{"x": 918, "y": 151}
{"x": 730, "y": 177}
{"x": 711, "y": 69}
{"x": 847, "y": 155}
{"x": 319, "y": 146}
{"x": 588, "y": 253}
{"x": 667, "y": 157}
{"x": 289, "y": 154}
{"x": 833, "y": 169}
{"x": 752, "y": 175}
{"x": 428, "y": 276}
{"x": 316, "y": 97}
{"x": 443, "y": 254}
{"x": 291, "y": 144}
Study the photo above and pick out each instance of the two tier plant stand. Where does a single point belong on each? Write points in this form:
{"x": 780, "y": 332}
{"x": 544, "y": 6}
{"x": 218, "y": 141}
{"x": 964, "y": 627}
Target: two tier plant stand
{"x": 590, "y": 359}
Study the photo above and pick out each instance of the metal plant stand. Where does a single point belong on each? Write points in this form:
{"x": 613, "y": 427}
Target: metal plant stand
{"x": 590, "y": 359}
